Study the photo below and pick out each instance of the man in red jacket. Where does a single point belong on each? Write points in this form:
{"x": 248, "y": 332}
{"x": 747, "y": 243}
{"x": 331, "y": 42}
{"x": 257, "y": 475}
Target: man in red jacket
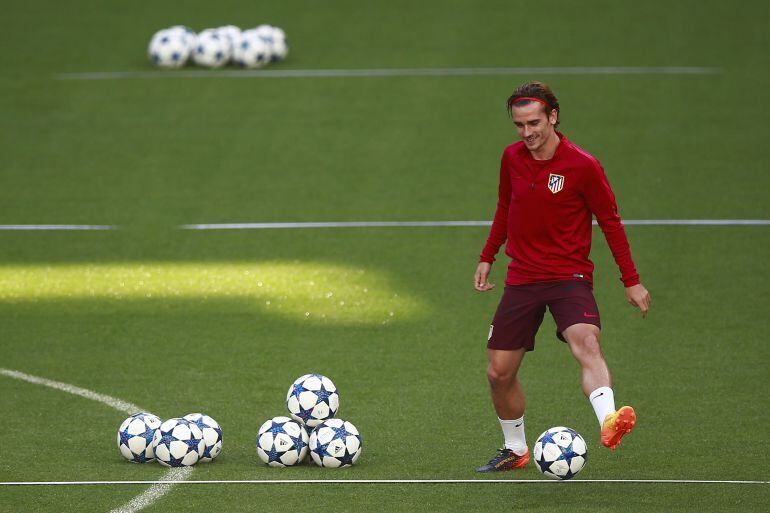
{"x": 549, "y": 191}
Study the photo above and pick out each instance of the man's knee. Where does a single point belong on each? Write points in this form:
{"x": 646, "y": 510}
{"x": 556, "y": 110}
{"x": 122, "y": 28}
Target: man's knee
{"x": 498, "y": 374}
{"x": 584, "y": 341}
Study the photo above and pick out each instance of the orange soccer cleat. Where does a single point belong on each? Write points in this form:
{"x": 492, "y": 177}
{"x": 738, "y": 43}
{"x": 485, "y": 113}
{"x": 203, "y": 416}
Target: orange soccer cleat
{"x": 616, "y": 425}
{"x": 505, "y": 459}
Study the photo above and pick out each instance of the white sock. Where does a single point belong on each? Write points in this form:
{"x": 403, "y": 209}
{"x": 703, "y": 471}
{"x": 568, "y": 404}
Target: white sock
{"x": 513, "y": 432}
{"x": 603, "y": 401}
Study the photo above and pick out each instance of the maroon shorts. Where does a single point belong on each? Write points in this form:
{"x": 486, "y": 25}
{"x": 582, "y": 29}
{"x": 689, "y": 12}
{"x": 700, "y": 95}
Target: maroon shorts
{"x": 522, "y": 308}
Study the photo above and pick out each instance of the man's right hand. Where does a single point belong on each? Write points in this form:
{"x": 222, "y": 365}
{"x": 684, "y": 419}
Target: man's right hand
{"x": 481, "y": 280}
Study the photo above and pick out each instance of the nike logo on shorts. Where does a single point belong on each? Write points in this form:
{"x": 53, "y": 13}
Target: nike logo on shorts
{"x": 588, "y": 315}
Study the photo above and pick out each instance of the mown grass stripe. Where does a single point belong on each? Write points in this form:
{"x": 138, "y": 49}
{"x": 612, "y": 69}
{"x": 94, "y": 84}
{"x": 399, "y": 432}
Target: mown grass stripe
{"x": 393, "y": 72}
{"x": 378, "y": 481}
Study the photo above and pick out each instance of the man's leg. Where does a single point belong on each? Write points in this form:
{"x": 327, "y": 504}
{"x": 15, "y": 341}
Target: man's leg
{"x": 583, "y": 340}
{"x": 507, "y": 394}
{"x": 509, "y": 402}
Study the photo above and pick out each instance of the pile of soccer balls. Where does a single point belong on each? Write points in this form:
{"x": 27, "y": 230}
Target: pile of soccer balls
{"x": 313, "y": 402}
{"x": 215, "y": 47}
{"x": 177, "y": 442}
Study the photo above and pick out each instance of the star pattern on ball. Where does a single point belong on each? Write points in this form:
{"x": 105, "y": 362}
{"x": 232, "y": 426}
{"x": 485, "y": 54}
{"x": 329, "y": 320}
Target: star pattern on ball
{"x": 297, "y": 442}
{"x": 148, "y": 434}
{"x": 544, "y": 465}
{"x": 273, "y": 455}
{"x": 323, "y": 395}
{"x": 298, "y": 388}
{"x": 340, "y": 432}
{"x": 276, "y": 428}
{"x": 323, "y": 449}
{"x": 166, "y": 439}
{"x": 305, "y": 413}
{"x": 125, "y": 437}
{"x": 347, "y": 458}
{"x": 192, "y": 444}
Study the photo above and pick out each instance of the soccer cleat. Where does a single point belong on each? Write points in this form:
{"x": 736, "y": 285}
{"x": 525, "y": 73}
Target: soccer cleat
{"x": 616, "y": 425}
{"x": 505, "y": 459}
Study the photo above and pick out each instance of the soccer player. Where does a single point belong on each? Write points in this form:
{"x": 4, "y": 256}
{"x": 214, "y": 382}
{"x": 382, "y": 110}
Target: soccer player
{"x": 549, "y": 190}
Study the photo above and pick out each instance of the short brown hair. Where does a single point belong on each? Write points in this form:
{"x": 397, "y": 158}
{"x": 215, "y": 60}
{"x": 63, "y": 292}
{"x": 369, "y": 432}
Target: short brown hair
{"x": 537, "y": 90}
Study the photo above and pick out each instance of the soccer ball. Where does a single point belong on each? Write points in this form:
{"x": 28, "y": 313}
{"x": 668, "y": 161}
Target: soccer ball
{"x": 312, "y": 398}
{"x": 251, "y": 51}
{"x": 335, "y": 443}
{"x": 276, "y": 40}
{"x": 560, "y": 453}
{"x": 212, "y": 435}
{"x": 281, "y": 442}
{"x": 232, "y": 35}
{"x": 178, "y": 443}
{"x": 187, "y": 34}
{"x": 168, "y": 49}
{"x": 135, "y": 437}
{"x": 212, "y": 49}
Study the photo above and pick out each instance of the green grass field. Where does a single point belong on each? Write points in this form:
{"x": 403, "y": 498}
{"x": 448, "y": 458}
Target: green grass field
{"x": 223, "y": 321}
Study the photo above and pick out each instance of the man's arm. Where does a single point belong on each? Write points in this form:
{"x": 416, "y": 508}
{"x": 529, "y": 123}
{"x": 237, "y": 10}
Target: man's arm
{"x": 601, "y": 202}
{"x": 498, "y": 233}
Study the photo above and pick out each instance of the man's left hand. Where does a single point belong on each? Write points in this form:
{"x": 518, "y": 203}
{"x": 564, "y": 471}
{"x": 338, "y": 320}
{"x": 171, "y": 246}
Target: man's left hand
{"x": 639, "y": 297}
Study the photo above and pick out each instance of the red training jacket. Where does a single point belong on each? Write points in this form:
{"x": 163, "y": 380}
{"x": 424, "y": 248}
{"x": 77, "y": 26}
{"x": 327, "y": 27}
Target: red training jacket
{"x": 544, "y": 211}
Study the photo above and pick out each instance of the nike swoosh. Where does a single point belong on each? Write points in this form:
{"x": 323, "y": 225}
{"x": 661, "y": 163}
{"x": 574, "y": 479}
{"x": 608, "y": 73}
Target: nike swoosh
{"x": 589, "y": 316}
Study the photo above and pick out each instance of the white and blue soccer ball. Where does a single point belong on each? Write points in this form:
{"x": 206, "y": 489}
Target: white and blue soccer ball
{"x": 232, "y": 35}
{"x": 275, "y": 37}
{"x": 335, "y": 443}
{"x": 312, "y": 399}
{"x": 178, "y": 443}
{"x": 282, "y": 442}
{"x": 212, "y": 435}
{"x": 135, "y": 437}
{"x": 560, "y": 453}
{"x": 188, "y": 35}
{"x": 169, "y": 49}
{"x": 251, "y": 51}
{"x": 212, "y": 49}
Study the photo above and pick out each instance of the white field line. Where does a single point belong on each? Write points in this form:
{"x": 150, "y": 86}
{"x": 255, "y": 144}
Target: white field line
{"x": 170, "y": 479}
{"x": 373, "y": 224}
{"x": 159, "y": 488}
{"x": 384, "y": 224}
{"x": 112, "y": 402}
{"x": 395, "y": 72}
{"x": 55, "y": 227}
{"x": 377, "y": 481}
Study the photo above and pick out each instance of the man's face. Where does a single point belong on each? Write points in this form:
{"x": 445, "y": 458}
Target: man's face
{"x": 532, "y": 124}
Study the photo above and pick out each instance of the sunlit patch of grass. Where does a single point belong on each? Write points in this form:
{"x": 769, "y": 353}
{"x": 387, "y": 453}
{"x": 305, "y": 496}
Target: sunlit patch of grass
{"x": 298, "y": 290}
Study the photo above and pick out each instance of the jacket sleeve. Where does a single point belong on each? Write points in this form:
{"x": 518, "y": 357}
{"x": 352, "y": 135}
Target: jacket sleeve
{"x": 601, "y": 201}
{"x": 499, "y": 231}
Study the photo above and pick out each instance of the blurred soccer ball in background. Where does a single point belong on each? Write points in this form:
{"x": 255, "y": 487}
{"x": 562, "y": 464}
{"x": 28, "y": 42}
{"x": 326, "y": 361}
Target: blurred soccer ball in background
{"x": 212, "y": 49}
{"x": 251, "y": 51}
{"x": 169, "y": 49}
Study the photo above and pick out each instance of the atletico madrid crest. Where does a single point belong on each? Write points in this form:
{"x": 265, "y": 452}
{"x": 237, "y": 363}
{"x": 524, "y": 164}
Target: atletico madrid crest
{"x": 555, "y": 183}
